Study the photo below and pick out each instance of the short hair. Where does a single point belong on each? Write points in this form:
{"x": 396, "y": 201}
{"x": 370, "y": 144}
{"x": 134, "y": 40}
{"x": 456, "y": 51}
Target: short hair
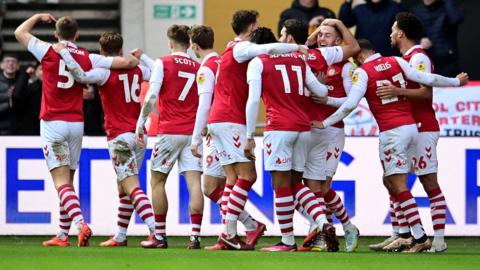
{"x": 66, "y": 27}
{"x": 298, "y": 29}
{"x": 365, "y": 45}
{"x": 111, "y": 42}
{"x": 10, "y": 55}
{"x": 263, "y": 35}
{"x": 202, "y": 35}
{"x": 410, "y": 25}
{"x": 179, "y": 35}
{"x": 242, "y": 19}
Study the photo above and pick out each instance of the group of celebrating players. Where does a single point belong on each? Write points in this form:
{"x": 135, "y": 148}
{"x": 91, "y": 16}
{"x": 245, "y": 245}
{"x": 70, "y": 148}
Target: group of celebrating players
{"x": 307, "y": 85}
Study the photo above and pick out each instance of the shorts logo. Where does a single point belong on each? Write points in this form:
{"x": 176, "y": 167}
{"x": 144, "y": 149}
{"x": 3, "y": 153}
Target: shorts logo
{"x": 45, "y": 150}
{"x": 209, "y": 161}
{"x": 400, "y": 163}
{"x": 268, "y": 145}
{"x": 283, "y": 160}
{"x": 388, "y": 156}
{"x": 429, "y": 152}
{"x": 131, "y": 166}
{"x": 337, "y": 152}
{"x": 155, "y": 151}
{"x": 237, "y": 142}
{"x": 329, "y": 154}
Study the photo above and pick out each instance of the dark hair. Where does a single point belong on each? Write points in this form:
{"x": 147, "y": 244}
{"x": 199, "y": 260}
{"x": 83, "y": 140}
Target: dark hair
{"x": 298, "y": 29}
{"x": 410, "y": 25}
{"x": 111, "y": 42}
{"x": 179, "y": 34}
{"x": 10, "y": 54}
{"x": 202, "y": 35}
{"x": 66, "y": 27}
{"x": 263, "y": 35}
{"x": 365, "y": 45}
{"x": 242, "y": 19}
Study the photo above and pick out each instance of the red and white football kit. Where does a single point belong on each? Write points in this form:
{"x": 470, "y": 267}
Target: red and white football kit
{"x": 61, "y": 125}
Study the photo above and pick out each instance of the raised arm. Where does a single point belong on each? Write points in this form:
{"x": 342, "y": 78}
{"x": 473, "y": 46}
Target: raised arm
{"x": 23, "y": 31}
{"x": 245, "y": 51}
{"x": 350, "y": 45}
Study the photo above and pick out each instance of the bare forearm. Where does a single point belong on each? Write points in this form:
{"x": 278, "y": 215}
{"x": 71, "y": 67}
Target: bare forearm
{"x": 423, "y": 92}
{"x": 22, "y": 33}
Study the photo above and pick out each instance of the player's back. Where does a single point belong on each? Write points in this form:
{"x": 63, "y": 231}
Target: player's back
{"x": 393, "y": 112}
{"x": 120, "y": 96}
{"x": 422, "y": 109}
{"x": 231, "y": 90}
{"x": 62, "y": 97}
{"x": 283, "y": 79}
{"x": 178, "y": 99}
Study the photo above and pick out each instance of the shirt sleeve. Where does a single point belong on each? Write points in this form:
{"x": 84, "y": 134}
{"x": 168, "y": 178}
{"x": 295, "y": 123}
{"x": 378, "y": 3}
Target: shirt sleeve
{"x": 146, "y": 73}
{"x": 313, "y": 84}
{"x": 201, "y": 119}
{"x": 93, "y": 76}
{"x": 38, "y": 48}
{"x": 429, "y": 79}
{"x": 156, "y": 81}
{"x": 421, "y": 62}
{"x": 147, "y": 61}
{"x": 332, "y": 54}
{"x": 205, "y": 80}
{"x": 96, "y": 76}
{"x": 359, "y": 87}
{"x": 100, "y": 61}
{"x": 254, "y": 79}
{"x": 245, "y": 51}
{"x": 347, "y": 73}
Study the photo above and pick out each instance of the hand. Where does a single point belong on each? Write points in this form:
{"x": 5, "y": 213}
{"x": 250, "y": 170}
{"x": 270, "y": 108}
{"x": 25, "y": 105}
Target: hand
{"x": 316, "y": 21}
{"x": 194, "y": 150}
{"x": 139, "y": 137}
{"x": 312, "y": 38}
{"x": 317, "y": 124}
{"x": 331, "y": 22}
{"x": 318, "y": 100}
{"x": 57, "y": 47}
{"x": 88, "y": 93}
{"x": 322, "y": 77}
{"x": 463, "y": 77}
{"x": 30, "y": 71}
{"x": 303, "y": 50}
{"x": 46, "y": 18}
{"x": 387, "y": 91}
{"x": 250, "y": 149}
{"x": 137, "y": 53}
{"x": 426, "y": 43}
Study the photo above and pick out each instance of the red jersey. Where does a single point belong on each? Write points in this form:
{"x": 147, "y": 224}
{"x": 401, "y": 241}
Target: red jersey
{"x": 283, "y": 93}
{"x": 391, "y": 113}
{"x": 316, "y": 61}
{"x": 212, "y": 63}
{"x": 231, "y": 90}
{"x": 178, "y": 100}
{"x": 422, "y": 109}
{"x": 62, "y": 97}
{"x": 335, "y": 89}
{"x": 120, "y": 96}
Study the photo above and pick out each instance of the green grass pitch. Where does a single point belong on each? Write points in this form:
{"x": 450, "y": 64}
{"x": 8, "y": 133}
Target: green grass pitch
{"x": 25, "y": 252}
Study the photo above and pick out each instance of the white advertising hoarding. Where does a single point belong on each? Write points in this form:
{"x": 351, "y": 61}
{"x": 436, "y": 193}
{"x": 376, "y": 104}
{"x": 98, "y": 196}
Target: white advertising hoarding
{"x": 28, "y": 201}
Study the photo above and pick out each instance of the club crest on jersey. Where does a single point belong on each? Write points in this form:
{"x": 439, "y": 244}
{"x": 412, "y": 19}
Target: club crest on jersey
{"x": 421, "y": 66}
{"x": 331, "y": 72}
{"x": 201, "y": 78}
{"x": 350, "y": 73}
{"x": 355, "y": 78}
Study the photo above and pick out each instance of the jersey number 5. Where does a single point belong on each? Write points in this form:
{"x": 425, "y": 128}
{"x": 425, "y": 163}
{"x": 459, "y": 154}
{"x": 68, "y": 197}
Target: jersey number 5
{"x": 62, "y": 71}
{"x": 130, "y": 91}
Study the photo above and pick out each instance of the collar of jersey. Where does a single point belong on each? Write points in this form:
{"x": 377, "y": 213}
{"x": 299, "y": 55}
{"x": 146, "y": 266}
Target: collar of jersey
{"x": 373, "y": 57}
{"x": 181, "y": 54}
{"x": 409, "y": 51}
{"x": 69, "y": 44}
{"x": 208, "y": 56}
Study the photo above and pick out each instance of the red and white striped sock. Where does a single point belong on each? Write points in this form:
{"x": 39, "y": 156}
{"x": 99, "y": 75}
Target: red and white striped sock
{"x": 236, "y": 204}
{"x": 226, "y": 193}
{"x": 284, "y": 208}
{"x": 304, "y": 213}
{"x": 410, "y": 210}
{"x": 402, "y": 221}
{"x": 196, "y": 220}
{"x": 335, "y": 204}
{"x": 328, "y": 214}
{"x": 71, "y": 204}
{"x": 65, "y": 223}
{"x": 328, "y": 211}
{"x": 143, "y": 207}
{"x": 310, "y": 204}
{"x": 160, "y": 226}
{"x": 438, "y": 208}
{"x": 125, "y": 210}
{"x": 393, "y": 217}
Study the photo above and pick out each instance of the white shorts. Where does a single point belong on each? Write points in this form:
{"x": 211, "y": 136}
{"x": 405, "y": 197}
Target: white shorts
{"x": 285, "y": 150}
{"x": 126, "y": 155}
{"x": 316, "y": 166}
{"x": 396, "y": 148}
{"x": 170, "y": 148}
{"x": 425, "y": 155}
{"x": 211, "y": 159}
{"x": 62, "y": 143}
{"x": 336, "y": 142}
{"x": 230, "y": 140}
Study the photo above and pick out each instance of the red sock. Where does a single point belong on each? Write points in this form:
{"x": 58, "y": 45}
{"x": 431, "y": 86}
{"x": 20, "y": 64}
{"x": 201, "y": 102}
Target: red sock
{"x": 196, "y": 220}
{"x": 70, "y": 202}
{"x": 335, "y": 204}
{"x": 438, "y": 208}
{"x": 284, "y": 208}
{"x": 160, "y": 226}
{"x": 125, "y": 210}
{"x": 143, "y": 207}
{"x": 216, "y": 195}
{"x": 238, "y": 199}
{"x": 310, "y": 204}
